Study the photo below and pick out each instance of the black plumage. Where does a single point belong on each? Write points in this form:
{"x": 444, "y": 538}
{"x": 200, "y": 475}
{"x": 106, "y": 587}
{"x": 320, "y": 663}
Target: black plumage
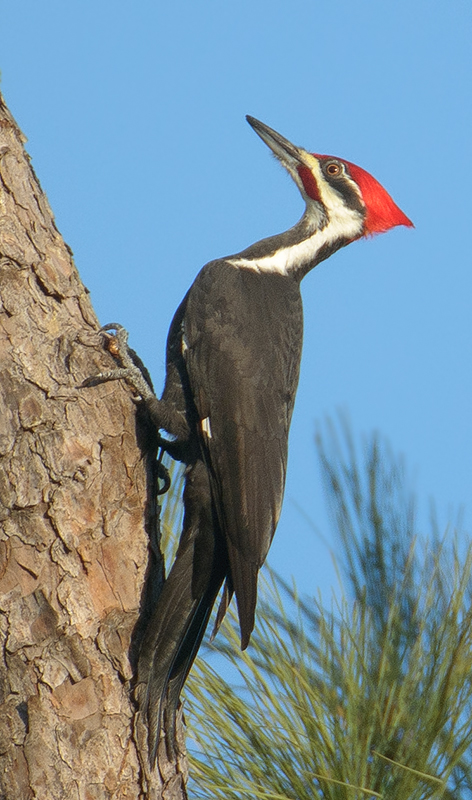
{"x": 232, "y": 366}
{"x": 228, "y": 398}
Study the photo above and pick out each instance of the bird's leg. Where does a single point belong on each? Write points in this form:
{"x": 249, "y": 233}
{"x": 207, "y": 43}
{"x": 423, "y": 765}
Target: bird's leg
{"x": 164, "y": 414}
{"x": 132, "y": 370}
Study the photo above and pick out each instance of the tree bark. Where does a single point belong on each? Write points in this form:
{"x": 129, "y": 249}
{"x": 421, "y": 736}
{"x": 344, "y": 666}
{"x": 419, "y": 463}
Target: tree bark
{"x": 77, "y": 508}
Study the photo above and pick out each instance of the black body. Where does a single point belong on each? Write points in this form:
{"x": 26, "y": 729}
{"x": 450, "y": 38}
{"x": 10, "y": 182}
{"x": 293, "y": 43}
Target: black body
{"x": 233, "y": 356}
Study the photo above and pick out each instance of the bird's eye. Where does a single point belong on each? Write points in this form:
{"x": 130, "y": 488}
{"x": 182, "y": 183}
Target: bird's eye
{"x": 333, "y": 169}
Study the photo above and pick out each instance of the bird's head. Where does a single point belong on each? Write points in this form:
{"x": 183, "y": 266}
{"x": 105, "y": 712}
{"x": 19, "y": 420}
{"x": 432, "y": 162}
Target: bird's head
{"x": 340, "y": 194}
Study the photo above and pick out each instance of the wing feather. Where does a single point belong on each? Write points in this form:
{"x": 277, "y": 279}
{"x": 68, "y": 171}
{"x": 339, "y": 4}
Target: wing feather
{"x": 243, "y": 334}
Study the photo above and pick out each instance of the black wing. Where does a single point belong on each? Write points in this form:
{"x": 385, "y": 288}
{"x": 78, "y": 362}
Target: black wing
{"x": 242, "y": 338}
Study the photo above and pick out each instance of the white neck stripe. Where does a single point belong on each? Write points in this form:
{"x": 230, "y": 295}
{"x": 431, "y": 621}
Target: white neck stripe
{"x": 345, "y": 223}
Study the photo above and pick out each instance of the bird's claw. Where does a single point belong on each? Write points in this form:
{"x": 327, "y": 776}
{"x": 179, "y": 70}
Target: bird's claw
{"x": 117, "y": 345}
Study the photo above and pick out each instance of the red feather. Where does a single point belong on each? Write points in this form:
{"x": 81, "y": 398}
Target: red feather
{"x": 309, "y": 183}
{"x": 382, "y": 212}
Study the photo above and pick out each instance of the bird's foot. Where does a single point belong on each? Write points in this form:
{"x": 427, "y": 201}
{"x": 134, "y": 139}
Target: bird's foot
{"x": 132, "y": 370}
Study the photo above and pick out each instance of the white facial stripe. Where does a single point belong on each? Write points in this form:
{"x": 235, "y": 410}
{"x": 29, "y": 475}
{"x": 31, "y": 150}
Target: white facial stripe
{"x": 205, "y": 426}
{"x": 344, "y": 222}
{"x": 330, "y": 198}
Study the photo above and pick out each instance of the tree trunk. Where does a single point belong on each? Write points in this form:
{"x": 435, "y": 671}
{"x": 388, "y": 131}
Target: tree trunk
{"x": 77, "y": 509}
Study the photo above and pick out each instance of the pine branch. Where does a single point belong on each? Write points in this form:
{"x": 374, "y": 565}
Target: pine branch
{"x": 369, "y": 698}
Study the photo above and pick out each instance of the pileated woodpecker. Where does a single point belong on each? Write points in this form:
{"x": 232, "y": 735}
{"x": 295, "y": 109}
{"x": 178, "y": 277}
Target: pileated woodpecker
{"x": 233, "y": 358}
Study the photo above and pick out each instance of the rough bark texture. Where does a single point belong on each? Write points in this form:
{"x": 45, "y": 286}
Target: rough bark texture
{"x": 76, "y": 508}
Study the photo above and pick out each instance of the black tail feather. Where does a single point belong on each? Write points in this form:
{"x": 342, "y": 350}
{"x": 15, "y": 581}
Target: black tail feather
{"x": 181, "y": 667}
{"x": 180, "y": 618}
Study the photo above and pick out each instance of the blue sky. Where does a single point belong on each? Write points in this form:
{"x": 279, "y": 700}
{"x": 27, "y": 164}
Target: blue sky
{"x": 134, "y": 113}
